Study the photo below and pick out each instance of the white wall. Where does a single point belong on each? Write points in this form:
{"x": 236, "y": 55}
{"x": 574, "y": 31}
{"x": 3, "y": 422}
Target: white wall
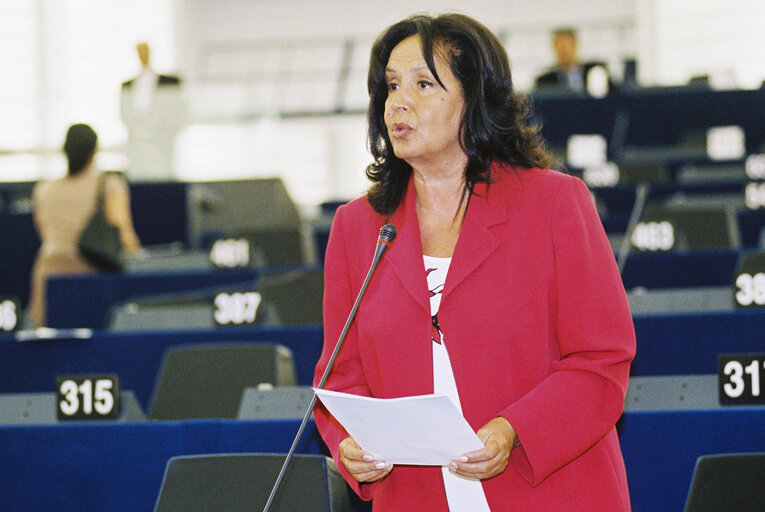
{"x": 721, "y": 38}
{"x": 225, "y": 47}
{"x": 290, "y": 18}
{"x": 319, "y": 158}
{"x": 203, "y": 22}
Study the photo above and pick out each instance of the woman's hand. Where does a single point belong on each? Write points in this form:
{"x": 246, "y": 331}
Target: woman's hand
{"x": 498, "y": 437}
{"x": 361, "y": 464}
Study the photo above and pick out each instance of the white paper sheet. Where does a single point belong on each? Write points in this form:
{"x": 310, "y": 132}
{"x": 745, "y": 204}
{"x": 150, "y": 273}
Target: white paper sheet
{"x": 422, "y": 430}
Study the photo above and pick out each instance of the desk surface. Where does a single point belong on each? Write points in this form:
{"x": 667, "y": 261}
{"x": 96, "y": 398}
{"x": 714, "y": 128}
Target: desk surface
{"x": 119, "y": 467}
{"x": 32, "y": 366}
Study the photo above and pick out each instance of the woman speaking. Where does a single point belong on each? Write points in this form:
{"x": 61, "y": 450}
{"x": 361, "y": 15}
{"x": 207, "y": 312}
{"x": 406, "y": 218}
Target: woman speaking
{"x": 501, "y": 290}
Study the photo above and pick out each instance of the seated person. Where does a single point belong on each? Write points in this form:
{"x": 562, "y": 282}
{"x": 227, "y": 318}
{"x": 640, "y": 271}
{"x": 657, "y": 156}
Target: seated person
{"x": 569, "y": 74}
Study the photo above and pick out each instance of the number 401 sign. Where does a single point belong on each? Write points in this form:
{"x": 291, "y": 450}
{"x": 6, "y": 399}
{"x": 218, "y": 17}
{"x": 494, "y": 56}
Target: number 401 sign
{"x": 739, "y": 379}
{"x": 87, "y": 397}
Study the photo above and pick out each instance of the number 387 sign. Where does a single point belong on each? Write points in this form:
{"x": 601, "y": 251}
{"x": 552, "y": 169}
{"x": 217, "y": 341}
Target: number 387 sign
{"x": 87, "y": 397}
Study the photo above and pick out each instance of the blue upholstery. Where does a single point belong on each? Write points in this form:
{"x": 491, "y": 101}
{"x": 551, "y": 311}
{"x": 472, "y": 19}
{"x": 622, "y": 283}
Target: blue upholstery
{"x": 85, "y": 300}
{"x": 689, "y": 343}
{"x": 17, "y": 254}
{"x": 119, "y": 467}
{"x": 667, "y": 344}
{"x": 135, "y": 357}
{"x": 680, "y": 269}
{"x": 116, "y": 467}
{"x": 656, "y": 117}
{"x": 660, "y": 449}
{"x": 159, "y": 216}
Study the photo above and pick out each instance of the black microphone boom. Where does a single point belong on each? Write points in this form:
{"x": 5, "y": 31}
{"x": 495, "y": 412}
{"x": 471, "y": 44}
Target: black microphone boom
{"x": 387, "y": 235}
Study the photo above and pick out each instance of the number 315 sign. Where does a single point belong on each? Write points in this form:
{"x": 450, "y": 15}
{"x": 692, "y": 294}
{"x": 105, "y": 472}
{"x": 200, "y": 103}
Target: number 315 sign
{"x": 87, "y": 397}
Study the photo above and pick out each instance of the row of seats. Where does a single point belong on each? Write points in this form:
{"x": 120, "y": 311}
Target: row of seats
{"x": 655, "y": 324}
{"x": 668, "y": 344}
{"x": 684, "y": 226}
{"x": 697, "y": 230}
{"x": 213, "y": 483}
{"x": 113, "y": 466}
{"x": 682, "y": 300}
{"x": 196, "y": 220}
{"x": 176, "y": 299}
{"x": 716, "y": 233}
{"x": 193, "y": 217}
{"x": 663, "y": 340}
{"x": 292, "y": 295}
{"x": 275, "y": 297}
{"x": 210, "y": 380}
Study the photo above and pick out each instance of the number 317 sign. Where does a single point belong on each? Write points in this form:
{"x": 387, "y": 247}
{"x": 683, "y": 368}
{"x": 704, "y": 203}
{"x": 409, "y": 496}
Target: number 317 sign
{"x": 739, "y": 377}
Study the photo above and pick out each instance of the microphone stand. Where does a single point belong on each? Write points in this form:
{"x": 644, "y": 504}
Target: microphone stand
{"x": 641, "y": 194}
{"x": 387, "y": 235}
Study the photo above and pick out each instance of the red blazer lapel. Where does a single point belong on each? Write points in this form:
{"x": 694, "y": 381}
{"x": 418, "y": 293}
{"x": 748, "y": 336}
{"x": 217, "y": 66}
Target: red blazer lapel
{"x": 476, "y": 241}
{"x": 405, "y": 254}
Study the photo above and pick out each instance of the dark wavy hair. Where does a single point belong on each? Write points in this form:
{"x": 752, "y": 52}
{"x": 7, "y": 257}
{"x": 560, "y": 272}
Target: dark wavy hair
{"x": 495, "y": 125}
{"x": 79, "y": 147}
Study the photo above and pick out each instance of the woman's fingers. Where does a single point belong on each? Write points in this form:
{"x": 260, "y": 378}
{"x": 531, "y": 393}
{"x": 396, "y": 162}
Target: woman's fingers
{"x": 361, "y": 464}
{"x": 373, "y": 476}
{"x": 482, "y": 464}
{"x": 498, "y": 437}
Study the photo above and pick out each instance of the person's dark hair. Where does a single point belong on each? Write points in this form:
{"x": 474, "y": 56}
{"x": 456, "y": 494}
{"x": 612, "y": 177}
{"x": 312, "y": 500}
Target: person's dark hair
{"x": 494, "y": 126}
{"x": 79, "y": 147}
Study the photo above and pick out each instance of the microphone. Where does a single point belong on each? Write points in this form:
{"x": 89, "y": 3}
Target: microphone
{"x": 387, "y": 235}
{"x": 384, "y": 241}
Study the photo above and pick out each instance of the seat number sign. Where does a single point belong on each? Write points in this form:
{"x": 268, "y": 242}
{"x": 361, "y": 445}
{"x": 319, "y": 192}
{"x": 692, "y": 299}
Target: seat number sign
{"x": 740, "y": 379}
{"x": 240, "y": 308}
{"x": 749, "y": 281}
{"x": 750, "y": 289}
{"x": 230, "y": 253}
{"x": 9, "y": 314}
{"x": 87, "y": 397}
{"x": 653, "y": 236}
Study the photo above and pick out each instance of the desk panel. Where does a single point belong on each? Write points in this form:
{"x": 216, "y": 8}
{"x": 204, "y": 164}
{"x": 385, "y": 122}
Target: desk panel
{"x": 683, "y": 344}
{"x": 136, "y": 357}
{"x": 676, "y": 344}
{"x": 660, "y": 449}
{"x": 119, "y": 467}
{"x": 680, "y": 269}
{"x": 659, "y": 116}
{"x": 84, "y": 300}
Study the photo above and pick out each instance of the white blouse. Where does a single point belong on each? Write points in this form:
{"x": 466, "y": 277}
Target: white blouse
{"x": 463, "y": 494}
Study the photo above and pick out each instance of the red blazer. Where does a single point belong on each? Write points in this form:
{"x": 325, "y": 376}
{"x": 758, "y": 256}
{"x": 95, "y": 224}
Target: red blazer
{"x": 538, "y": 329}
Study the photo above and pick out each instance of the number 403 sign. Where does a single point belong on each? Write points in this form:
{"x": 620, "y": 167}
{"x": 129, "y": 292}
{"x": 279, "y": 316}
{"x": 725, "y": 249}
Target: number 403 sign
{"x": 87, "y": 397}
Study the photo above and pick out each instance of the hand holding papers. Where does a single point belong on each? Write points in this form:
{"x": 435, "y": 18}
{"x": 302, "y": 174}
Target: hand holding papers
{"x": 422, "y": 430}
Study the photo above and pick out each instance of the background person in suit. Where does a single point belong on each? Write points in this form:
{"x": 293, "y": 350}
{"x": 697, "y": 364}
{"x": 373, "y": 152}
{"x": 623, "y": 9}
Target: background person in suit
{"x": 569, "y": 74}
{"x": 153, "y": 110}
{"x": 500, "y": 291}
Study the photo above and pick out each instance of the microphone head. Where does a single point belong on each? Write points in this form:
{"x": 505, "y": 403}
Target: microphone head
{"x": 388, "y": 233}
